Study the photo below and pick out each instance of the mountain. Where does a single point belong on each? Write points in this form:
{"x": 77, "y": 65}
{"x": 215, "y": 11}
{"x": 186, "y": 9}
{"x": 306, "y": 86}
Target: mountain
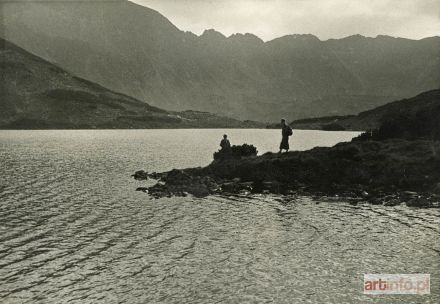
{"x": 411, "y": 118}
{"x": 137, "y": 51}
{"x": 38, "y": 94}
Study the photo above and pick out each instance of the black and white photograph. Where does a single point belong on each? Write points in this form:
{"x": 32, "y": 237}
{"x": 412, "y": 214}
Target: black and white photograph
{"x": 219, "y": 151}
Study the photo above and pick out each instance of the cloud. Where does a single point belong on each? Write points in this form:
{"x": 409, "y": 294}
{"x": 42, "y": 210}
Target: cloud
{"x": 325, "y": 18}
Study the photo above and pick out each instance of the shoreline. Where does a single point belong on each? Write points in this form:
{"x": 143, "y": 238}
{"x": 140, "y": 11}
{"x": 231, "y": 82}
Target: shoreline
{"x": 173, "y": 128}
{"x": 389, "y": 172}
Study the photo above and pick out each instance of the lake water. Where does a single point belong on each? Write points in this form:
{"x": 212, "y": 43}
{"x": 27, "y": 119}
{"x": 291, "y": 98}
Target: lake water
{"x": 74, "y": 230}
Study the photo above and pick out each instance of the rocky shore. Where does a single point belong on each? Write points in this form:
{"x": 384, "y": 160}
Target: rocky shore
{"x": 388, "y": 172}
{"x": 397, "y": 161}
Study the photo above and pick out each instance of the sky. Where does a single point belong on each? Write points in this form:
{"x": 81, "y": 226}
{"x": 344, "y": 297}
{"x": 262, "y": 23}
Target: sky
{"x": 326, "y": 19}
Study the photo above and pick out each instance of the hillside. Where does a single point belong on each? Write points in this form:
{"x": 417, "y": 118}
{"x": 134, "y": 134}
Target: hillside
{"x": 420, "y": 114}
{"x": 37, "y": 94}
{"x": 137, "y": 51}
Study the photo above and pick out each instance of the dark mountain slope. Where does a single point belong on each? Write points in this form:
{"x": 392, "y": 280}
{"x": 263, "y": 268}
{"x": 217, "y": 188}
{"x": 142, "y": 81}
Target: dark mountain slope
{"x": 135, "y": 50}
{"x": 37, "y": 94}
{"x": 415, "y": 117}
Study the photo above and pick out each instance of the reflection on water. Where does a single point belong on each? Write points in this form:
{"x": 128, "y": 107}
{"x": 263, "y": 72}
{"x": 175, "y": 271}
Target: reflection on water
{"x": 73, "y": 230}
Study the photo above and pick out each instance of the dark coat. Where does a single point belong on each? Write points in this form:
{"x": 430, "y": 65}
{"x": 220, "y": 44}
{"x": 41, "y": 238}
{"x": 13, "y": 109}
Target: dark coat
{"x": 286, "y": 131}
{"x": 226, "y": 145}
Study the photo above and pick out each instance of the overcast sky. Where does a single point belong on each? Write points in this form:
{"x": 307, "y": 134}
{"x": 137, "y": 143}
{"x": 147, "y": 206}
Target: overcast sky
{"x": 326, "y": 19}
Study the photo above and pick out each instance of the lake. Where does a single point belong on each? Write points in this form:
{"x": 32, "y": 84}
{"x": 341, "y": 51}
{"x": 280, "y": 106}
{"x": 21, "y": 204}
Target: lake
{"x": 74, "y": 230}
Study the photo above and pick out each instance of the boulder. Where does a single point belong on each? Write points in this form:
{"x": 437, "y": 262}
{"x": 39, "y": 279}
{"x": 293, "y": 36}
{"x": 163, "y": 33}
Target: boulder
{"x": 418, "y": 202}
{"x": 392, "y": 202}
{"x": 198, "y": 190}
{"x": 140, "y": 175}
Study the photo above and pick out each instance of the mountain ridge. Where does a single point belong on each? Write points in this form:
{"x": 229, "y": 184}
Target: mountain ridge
{"x": 137, "y": 51}
{"x": 36, "y": 94}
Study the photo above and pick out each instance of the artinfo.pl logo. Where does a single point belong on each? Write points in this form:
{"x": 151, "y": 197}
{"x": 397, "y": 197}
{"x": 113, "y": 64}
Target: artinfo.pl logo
{"x": 375, "y": 284}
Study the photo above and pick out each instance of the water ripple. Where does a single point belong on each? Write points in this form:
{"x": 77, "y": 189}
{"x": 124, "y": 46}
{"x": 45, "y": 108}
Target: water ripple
{"x": 73, "y": 230}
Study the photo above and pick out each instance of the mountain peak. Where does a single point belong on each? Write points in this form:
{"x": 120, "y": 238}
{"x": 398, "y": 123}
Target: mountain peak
{"x": 305, "y": 37}
{"x": 246, "y": 38}
{"x": 384, "y": 37}
{"x": 352, "y": 38}
{"x": 212, "y": 35}
{"x": 297, "y": 38}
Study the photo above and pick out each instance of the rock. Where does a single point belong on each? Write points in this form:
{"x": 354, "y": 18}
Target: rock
{"x": 178, "y": 178}
{"x": 376, "y": 201}
{"x": 409, "y": 195}
{"x": 235, "y": 187}
{"x": 392, "y": 202}
{"x": 246, "y": 186}
{"x": 273, "y": 187}
{"x": 155, "y": 175}
{"x": 214, "y": 188}
{"x": 244, "y": 192}
{"x": 198, "y": 190}
{"x": 365, "y": 194}
{"x": 420, "y": 202}
{"x": 229, "y": 187}
{"x": 210, "y": 183}
{"x": 140, "y": 175}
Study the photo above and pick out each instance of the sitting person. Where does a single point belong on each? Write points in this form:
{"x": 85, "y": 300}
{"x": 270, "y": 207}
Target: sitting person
{"x": 225, "y": 145}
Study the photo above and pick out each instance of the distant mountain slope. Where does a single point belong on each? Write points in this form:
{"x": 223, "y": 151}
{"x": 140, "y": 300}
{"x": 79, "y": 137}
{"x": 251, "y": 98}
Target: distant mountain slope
{"x": 37, "y": 94}
{"x": 135, "y": 50}
{"x": 417, "y": 117}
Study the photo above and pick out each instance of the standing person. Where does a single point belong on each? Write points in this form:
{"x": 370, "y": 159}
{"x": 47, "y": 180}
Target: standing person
{"x": 225, "y": 144}
{"x": 286, "y": 131}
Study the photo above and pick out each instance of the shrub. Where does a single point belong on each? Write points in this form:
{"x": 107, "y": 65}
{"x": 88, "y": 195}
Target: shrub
{"x": 244, "y": 150}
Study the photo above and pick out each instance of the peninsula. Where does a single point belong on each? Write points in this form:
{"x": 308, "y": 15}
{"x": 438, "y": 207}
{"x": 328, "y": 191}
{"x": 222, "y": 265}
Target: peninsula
{"x": 397, "y": 162}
